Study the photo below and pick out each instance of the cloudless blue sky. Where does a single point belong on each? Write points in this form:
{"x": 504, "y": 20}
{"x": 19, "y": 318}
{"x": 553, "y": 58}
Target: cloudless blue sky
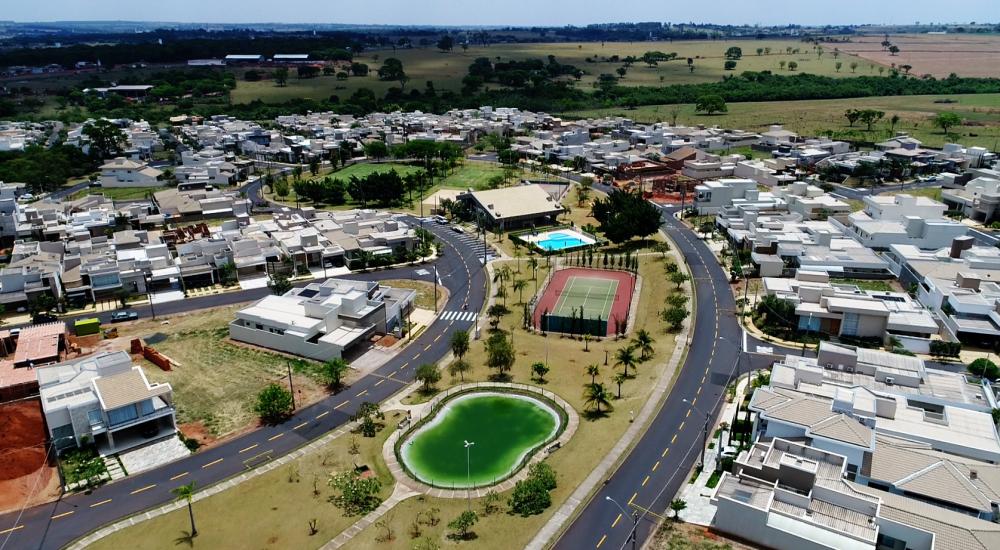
{"x": 503, "y": 12}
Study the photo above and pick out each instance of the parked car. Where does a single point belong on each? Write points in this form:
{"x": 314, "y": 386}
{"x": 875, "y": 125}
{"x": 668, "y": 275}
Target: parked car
{"x": 40, "y": 318}
{"x": 457, "y": 229}
{"x": 122, "y": 316}
{"x": 441, "y": 220}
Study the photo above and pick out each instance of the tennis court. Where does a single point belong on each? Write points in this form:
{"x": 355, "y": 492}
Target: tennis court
{"x": 584, "y": 300}
{"x": 594, "y": 296}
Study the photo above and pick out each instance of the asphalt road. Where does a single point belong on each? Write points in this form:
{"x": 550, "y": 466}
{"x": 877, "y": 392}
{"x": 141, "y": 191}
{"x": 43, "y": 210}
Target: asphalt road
{"x": 55, "y": 525}
{"x": 657, "y": 466}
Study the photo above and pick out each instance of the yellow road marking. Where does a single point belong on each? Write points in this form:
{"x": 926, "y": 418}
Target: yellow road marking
{"x": 631, "y": 500}
{"x": 254, "y": 446}
{"x": 600, "y": 542}
{"x": 436, "y": 338}
{"x": 64, "y": 514}
{"x": 688, "y": 413}
{"x": 146, "y": 488}
{"x": 703, "y": 379}
{"x": 681, "y": 427}
{"x": 645, "y": 481}
{"x": 617, "y": 519}
{"x": 300, "y": 425}
{"x": 212, "y": 463}
{"x": 379, "y": 382}
{"x": 362, "y": 393}
{"x": 96, "y": 504}
{"x": 665, "y": 451}
{"x": 5, "y": 531}
{"x": 699, "y": 391}
{"x": 672, "y": 440}
{"x": 273, "y": 437}
{"x": 415, "y": 357}
{"x": 693, "y": 401}
{"x": 178, "y": 476}
{"x": 657, "y": 465}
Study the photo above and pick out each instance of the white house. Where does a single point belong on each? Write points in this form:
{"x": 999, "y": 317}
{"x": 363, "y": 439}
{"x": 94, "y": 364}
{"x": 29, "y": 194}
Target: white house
{"x": 122, "y": 172}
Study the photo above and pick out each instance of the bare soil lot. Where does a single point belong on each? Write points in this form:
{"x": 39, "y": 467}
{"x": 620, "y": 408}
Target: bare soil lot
{"x": 935, "y": 54}
{"x": 25, "y": 471}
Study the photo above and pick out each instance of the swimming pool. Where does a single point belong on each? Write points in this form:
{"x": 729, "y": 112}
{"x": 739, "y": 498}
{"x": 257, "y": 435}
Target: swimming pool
{"x": 561, "y": 239}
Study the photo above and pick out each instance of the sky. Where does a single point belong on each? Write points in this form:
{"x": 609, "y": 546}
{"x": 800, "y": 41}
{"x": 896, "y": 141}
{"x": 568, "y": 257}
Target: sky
{"x": 502, "y": 12}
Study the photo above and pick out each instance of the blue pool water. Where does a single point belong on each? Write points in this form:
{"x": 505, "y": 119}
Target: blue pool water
{"x": 561, "y": 241}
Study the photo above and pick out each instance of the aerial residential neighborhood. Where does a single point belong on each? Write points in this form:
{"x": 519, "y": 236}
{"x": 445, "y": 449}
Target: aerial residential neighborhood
{"x": 406, "y": 276}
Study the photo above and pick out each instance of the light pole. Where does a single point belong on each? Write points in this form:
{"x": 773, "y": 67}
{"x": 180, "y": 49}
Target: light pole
{"x": 806, "y": 339}
{"x": 291, "y": 389}
{"x": 704, "y": 442}
{"x": 635, "y": 518}
{"x": 468, "y": 473}
{"x": 149, "y": 295}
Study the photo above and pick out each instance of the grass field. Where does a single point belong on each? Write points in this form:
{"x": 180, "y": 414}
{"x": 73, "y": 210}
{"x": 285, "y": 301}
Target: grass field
{"x": 980, "y": 111}
{"x": 269, "y": 511}
{"x": 216, "y": 381}
{"x": 939, "y": 55}
{"x": 117, "y": 193}
{"x": 447, "y": 69}
{"x": 594, "y": 295}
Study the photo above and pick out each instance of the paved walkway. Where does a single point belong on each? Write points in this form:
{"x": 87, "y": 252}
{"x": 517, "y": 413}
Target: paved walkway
{"x": 603, "y": 470}
{"x": 154, "y": 455}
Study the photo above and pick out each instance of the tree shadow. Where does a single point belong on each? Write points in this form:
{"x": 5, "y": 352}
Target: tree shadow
{"x": 471, "y": 535}
{"x": 185, "y": 538}
{"x": 593, "y": 415}
{"x": 504, "y": 377}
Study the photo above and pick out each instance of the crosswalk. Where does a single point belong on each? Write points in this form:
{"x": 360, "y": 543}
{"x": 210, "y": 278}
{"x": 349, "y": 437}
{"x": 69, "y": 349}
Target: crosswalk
{"x": 452, "y": 315}
{"x": 476, "y": 245}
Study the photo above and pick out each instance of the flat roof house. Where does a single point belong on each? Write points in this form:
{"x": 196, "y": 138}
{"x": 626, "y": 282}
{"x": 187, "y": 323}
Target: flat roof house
{"x": 122, "y": 172}
{"x": 514, "y": 207}
{"x": 323, "y": 321}
{"x": 106, "y": 400}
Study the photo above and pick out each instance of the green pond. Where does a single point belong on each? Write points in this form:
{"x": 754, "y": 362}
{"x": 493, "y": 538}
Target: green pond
{"x": 502, "y": 427}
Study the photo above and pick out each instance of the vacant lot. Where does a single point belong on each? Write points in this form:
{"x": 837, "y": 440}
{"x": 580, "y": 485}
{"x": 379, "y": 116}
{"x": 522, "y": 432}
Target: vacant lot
{"x": 938, "y": 55}
{"x": 25, "y": 472}
{"x": 216, "y": 381}
{"x": 446, "y": 70}
{"x": 118, "y": 193}
{"x": 272, "y": 510}
{"x": 981, "y": 113}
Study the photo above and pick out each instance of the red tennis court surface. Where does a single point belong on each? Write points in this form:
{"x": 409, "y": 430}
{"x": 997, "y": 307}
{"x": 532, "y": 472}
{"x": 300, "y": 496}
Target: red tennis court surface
{"x": 550, "y": 298}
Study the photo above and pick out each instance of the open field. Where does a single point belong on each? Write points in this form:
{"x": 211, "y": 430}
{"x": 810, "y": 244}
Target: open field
{"x": 447, "y": 69}
{"x": 216, "y": 381}
{"x": 935, "y": 54}
{"x": 26, "y": 477}
{"x": 117, "y": 193}
{"x": 980, "y": 111}
{"x": 272, "y": 510}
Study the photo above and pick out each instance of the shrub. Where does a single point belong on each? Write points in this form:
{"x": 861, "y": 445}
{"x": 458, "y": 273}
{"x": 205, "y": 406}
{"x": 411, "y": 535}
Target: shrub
{"x": 985, "y": 368}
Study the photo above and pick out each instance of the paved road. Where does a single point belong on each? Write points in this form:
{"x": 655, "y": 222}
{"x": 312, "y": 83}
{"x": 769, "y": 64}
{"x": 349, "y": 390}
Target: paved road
{"x": 658, "y": 464}
{"x": 54, "y": 525}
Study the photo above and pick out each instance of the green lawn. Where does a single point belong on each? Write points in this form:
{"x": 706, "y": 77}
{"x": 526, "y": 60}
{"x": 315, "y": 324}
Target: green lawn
{"x": 117, "y": 193}
{"x": 447, "y": 69}
{"x": 813, "y": 117}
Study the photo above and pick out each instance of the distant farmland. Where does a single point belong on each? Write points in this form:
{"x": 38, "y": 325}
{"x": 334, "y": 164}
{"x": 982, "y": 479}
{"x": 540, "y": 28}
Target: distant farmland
{"x": 935, "y": 54}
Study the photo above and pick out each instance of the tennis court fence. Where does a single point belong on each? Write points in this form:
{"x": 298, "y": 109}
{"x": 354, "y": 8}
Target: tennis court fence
{"x": 574, "y": 324}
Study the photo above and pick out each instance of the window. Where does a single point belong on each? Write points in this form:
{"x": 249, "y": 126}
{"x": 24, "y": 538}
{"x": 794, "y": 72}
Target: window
{"x": 146, "y": 407}
{"x": 94, "y": 417}
{"x": 122, "y": 415}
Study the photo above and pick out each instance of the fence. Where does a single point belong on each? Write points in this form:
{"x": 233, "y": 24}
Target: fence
{"x": 574, "y": 325}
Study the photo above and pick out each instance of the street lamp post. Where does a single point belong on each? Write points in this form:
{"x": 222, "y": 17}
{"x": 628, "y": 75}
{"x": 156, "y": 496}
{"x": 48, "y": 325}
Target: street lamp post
{"x": 468, "y": 473}
{"x": 635, "y": 519}
{"x": 291, "y": 388}
{"x": 704, "y": 438}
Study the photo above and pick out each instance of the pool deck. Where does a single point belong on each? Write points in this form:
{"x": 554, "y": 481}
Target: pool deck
{"x": 417, "y": 412}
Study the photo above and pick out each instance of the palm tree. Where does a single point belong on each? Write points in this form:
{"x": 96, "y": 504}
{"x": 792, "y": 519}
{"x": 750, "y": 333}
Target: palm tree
{"x": 518, "y": 286}
{"x": 586, "y": 341}
{"x": 186, "y": 492}
{"x": 594, "y": 372}
{"x": 619, "y": 379}
{"x": 625, "y": 357}
{"x": 596, "y": 395}
{"x": 502, "y": 276}
{"x": 517, "y": 254}
{"x": 677, "y": 505}
{"x": 644, "y": 343}
{"x": 533, "y": 264}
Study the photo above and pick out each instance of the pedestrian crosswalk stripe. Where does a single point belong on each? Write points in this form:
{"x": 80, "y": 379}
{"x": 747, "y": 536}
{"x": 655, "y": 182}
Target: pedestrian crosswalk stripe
{"x": 452, "y": 315}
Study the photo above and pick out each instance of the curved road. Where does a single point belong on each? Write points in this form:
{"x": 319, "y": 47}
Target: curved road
{"x": 658, "y": 464}
{"x": 55, "y": 525}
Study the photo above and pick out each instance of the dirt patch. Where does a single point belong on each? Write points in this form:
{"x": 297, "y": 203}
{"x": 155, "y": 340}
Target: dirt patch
{"x": 24, "y": 471}
{"x": 938, "y": 55}
{"x": 198, "y": 432}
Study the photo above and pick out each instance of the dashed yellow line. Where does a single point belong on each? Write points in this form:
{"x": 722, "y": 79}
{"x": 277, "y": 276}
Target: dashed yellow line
{"x": 681, "y": 427}
{"x": 645, "y": 481}
{"x": 300, "y": 425}
{"x": 672, "y": 440}
{"x": 688, "y": 414}
{"x": 146, "y": 488}
{"x": 101, "y": 503}
{"x": 273, "y": 437}
{"x": 415, "y": 357}
{"x": 362, "y": 392}
{"x": 212, "y": 463}
{"x": 631, "y": 500}
{"x": 379, "y": 382}
{"x": 615, "y": 522}
{"x": 600, "y": 542}
{"x": 178, "y": 476}
{"x": 5, "y": 531}
{"x": 245, "y": 449}
{"x": 64, "y": 514}
{"x": 436, "y": 338}
{"x": 667, "y": 450}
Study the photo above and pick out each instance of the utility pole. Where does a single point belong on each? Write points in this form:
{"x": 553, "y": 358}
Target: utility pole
{"x": 149, "y": 296}
{"x": 435, "y": 289}
{"x": 291, "y": 388}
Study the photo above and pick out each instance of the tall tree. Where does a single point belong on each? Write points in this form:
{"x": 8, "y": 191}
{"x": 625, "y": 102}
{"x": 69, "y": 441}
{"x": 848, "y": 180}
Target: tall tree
{"x": 186, "y": 493}
{"x": 625, "y": 358}
{"x": 106, "y": 138}
{"x": 643, "y": 342}
{"x": 499, "y": 353}
{"x": 596, "y": 395}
